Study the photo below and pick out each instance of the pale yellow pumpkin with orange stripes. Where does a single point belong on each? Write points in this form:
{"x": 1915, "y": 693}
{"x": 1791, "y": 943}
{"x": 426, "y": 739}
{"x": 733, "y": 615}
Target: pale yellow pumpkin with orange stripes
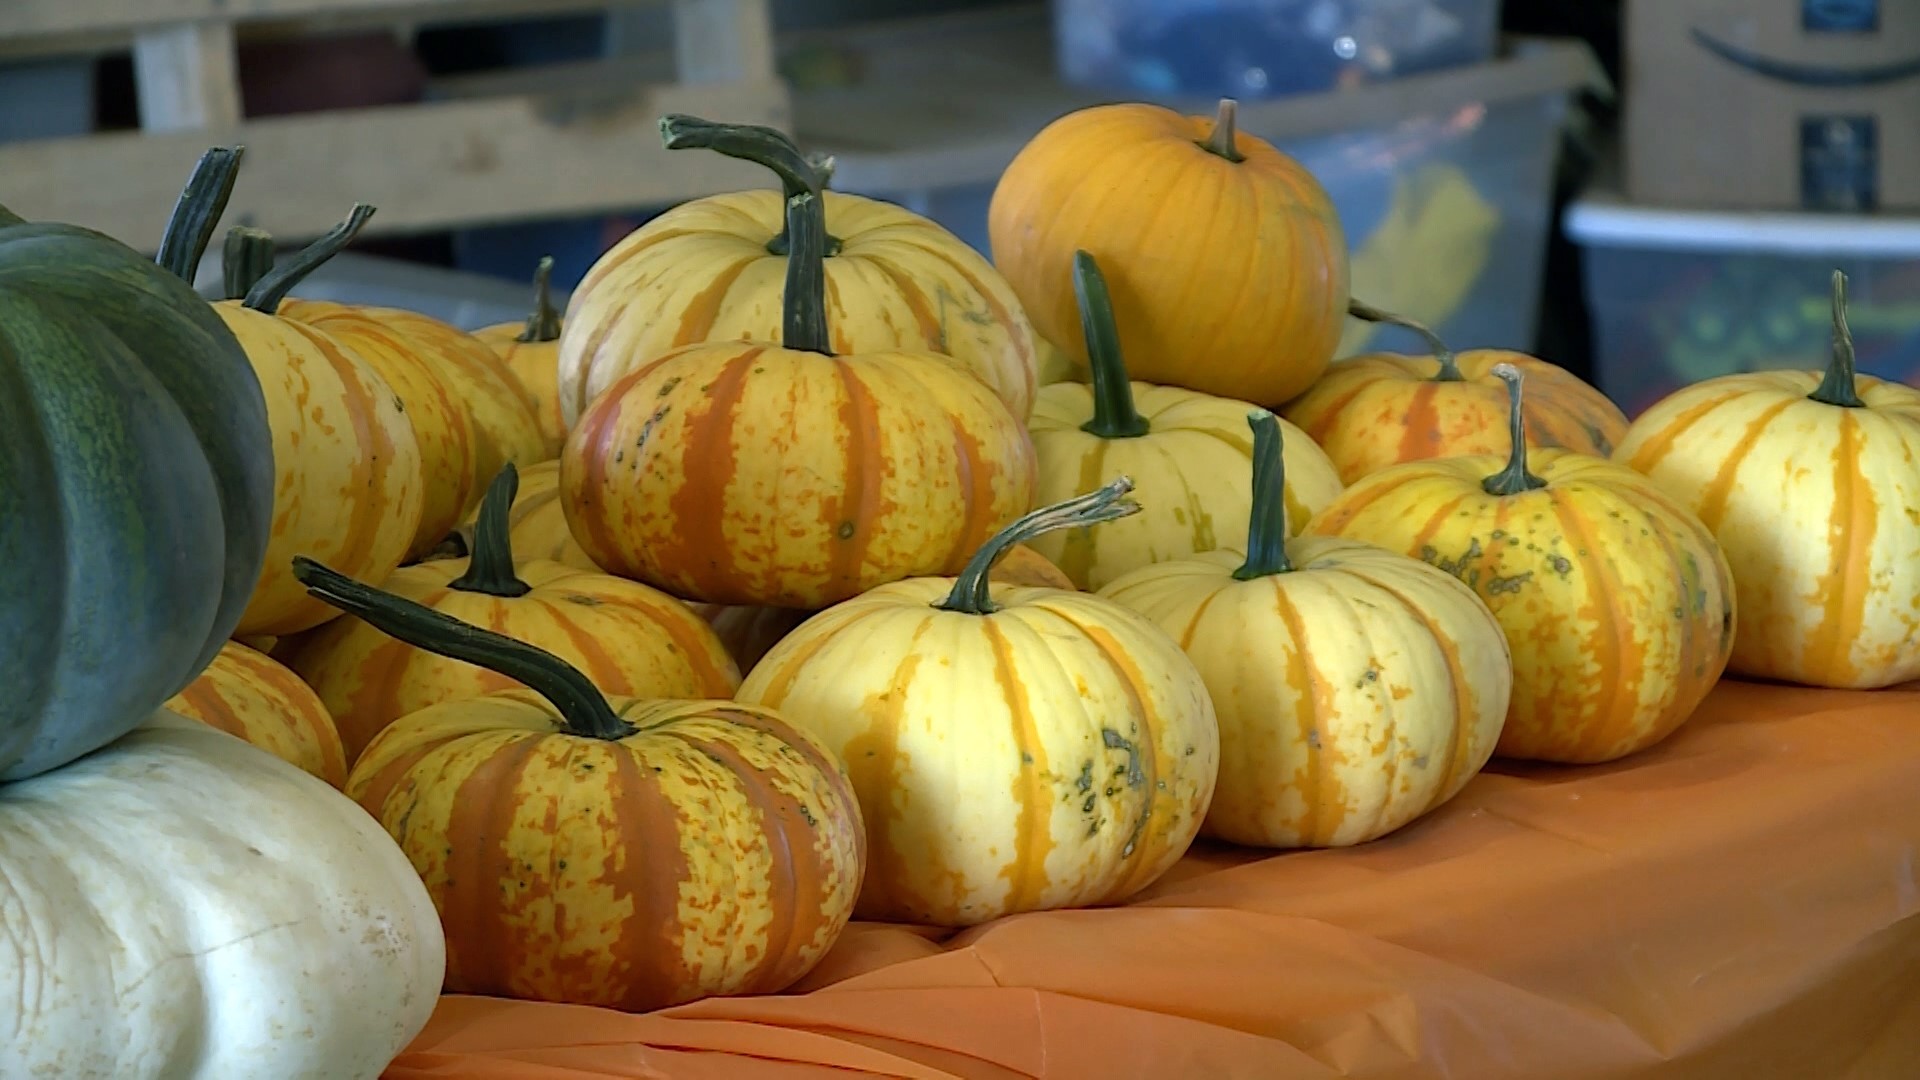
{"x": 531, "y": 351}
{"x": 1811, "y": 482}
{"x": 537, "y": 524}
{"x": 629, "y": 639}
{"x": 249, "y": 694}
{"x": 713, "y": 270}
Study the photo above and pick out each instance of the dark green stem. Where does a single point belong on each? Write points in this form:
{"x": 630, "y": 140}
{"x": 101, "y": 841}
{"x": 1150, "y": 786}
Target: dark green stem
{"x": 1449, "y": 367}
{"x": 267, "y": 293}
{"x": 197, "y": 213}
{"x": 1838, "y": 386}
{"x": 491, "y": 569}
{"x": 8, "y": 217}
{"x": 1223, "y": 139}
{"x": 584, "y": 711}
{"x": 245, "y": 258}
{"x": 1515, "y": 478}
{"x": 969, "y": 594}
{"x": 544, "y": 323}
{"x": 1114, "y": 414}
{"x": 764, "y": 146}
{"x": 1267, "y": 530}
{"x": 805, "y": 301}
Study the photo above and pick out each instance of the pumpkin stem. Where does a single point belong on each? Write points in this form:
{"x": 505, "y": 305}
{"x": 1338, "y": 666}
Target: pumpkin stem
{"x": 1114, "y": 414}
{"x": 245, "y": 258}
{"x": 544, "y": 323}
{"x": 8, "y": 217}
{"x": 267, "y": 293}
{"x": 1839, "y": 387}
{"x": 1449, "y": 366}
{"x": 764, "y": 146}
{"x": 969, "y": 594}
{"x": 1515, "y": 478}
{"x": 584, "y": 711}
{"x": 1223, "y": 140}
{"x": 491, "y": 569}
{"x": 202, "y": 201}
{"x": 805, "y": 301}
{"x": 1267, "y": 531}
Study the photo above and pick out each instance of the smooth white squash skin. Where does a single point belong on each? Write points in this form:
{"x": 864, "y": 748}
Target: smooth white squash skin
{"x": 183, "y": 906}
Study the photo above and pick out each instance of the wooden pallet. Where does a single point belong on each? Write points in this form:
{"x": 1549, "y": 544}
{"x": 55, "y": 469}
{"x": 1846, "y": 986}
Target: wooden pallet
{"x": 437, "y": 164}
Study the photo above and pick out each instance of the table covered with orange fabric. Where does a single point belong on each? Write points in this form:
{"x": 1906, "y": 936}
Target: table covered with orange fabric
{"x": 1742, "y": 901}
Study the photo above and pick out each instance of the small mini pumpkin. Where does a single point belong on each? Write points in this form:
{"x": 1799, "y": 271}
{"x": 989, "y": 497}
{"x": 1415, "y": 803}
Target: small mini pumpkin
{"x": 537, "y": 523}
{"x": 251, "y": 695}
{"x": 531, "y": 351}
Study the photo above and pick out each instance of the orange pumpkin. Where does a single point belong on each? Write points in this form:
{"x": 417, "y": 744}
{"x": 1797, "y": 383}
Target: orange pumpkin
{"x": 620, "y": 853}
{"x": 751, "y": 473}
{"x": 531, "y": 351}
{"x": 1226, "y": 258}
{"x": 1379, "y": 409}
{"x": 248, "y": 694}
{"x": 630, "y": 639}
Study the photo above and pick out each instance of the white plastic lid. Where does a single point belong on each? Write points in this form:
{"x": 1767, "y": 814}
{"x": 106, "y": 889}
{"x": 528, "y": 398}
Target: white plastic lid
{"x": 1606, "y": 220}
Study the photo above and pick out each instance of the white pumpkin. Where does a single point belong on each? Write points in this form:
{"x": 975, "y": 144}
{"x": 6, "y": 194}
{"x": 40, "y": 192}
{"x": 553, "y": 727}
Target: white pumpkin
{"x": 182, "y": 905}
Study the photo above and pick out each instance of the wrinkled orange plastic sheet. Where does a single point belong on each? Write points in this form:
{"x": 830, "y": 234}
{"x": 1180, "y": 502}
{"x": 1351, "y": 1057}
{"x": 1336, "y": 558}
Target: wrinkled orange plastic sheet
{"x": 1740, "y": 902}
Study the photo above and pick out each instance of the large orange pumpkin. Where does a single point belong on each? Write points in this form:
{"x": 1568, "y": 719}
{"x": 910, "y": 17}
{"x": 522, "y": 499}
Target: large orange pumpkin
{"x": 621, "y": 853}
{"x": 1228, "y": 264}
{"x": 1811, "y": 482}
{"x": 1617, "y": 603}
{"x": 531, "y": 351}
{"x": 251, "y": 695}
{"x": 1379, "y": 409}
{"x": 714, "y": 270}
{"x": 752, "y": 473}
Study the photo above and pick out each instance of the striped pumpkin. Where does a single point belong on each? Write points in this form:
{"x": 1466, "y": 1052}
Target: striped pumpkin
{"x": 1617, "y": 603}
{"x": 620, "y": 853}
{"x": 753, "y": 473}
{"x": 1025, "y": 750}
{"x": 537, "y": 524}
{"x": 531, "y": 351}
{"x": 630, "y": 639}
{"x": 1811, "y": 483}
{"x": 249, "y": 694}
{"x": 714, "y": 269}
{"x": 349, "y": 466}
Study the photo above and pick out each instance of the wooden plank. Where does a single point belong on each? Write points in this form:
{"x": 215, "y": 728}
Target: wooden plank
{"x": 432, "y": 166}
{"x": 723, "y": 40}
{"x": 23, "y": 19}
{"x": 186, "y": 77}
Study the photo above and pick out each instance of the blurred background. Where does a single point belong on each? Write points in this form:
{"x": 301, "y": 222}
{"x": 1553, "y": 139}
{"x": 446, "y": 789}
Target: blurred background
{"x": 1647, "y": 192}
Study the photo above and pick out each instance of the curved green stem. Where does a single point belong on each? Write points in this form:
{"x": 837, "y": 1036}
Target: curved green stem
{"x": 245, "y": 258}
{"x": 969, "y": 594}
{"x": 1267, "y": 531}
{"x": 1515, "y": 478}
{"x": 267, "y": 293}
{"x": 197, "y": 213}
{"x": 584, "y": 711}
{"x": 491, "y": 568}
{"x": 544, "y": 323}
{"x": 1114, "y": 414}
{"x": 1449, "y": 366}
{"x": 1223, "y": 140}
{"x": 764, "y": 146}
{"x": 805, "y": 302}
{"x": 1838, "y": 386}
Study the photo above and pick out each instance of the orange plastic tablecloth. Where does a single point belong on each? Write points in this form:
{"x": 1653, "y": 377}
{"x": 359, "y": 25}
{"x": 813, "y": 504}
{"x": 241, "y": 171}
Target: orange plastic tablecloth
{"x": 1740, "y": 902}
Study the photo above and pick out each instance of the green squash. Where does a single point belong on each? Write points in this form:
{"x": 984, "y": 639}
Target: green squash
{"x": 136, "y": 479}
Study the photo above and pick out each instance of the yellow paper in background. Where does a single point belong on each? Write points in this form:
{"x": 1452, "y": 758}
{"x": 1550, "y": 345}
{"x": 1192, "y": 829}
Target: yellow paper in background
{"x": 1428, "y": 253}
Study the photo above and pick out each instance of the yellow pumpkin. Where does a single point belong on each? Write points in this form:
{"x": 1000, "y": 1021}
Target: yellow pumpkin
{"x": 1379, "y": 409}
{"x": 1054, "y": 365}
{"x": 531, "y": 351}
{"x": 1617, "y": 603}
{"x": 713, "y": 270}
{"x": 1228, "y": 263}
{"x": 1190, "y": 453}
{"x": 537, "y": 524}
{"x": 1811, "y": 482}
{"x": 248, "y": 694}
{"x": 1031, "y": 750}
{"x": 1356, "y": 689}
{"x": 752, "y": 473}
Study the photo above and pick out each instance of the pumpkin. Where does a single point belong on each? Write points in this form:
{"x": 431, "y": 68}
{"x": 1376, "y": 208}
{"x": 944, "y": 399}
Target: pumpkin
{"x": 348, "y": 463}
{"x": 626, "y": 853}
{"x": 247, "y": 693}
{"x": 1228, "y": 263}
{"x": 531, "y": 351}
{"x": 1809, "y": 481}
{"x": 630, "y": 639}
{"x": 714, "y": 270}
{"x": 136, "y": 480}
{"x": 1356, "y": 689}
{"x": 536, "y": 525}
{"x": 1039, "y": 749}
{"x": 1054, "y": 365}
{"x": 1190, "y": 452}
{"x": 1617, "y": 603}
{"x": 1379, "y": 409}
{"x": 751, "y": 473}
{"x": 184, "y": 906}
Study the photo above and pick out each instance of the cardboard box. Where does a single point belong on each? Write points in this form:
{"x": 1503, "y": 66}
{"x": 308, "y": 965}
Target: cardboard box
{"x": 1774, "y": 104}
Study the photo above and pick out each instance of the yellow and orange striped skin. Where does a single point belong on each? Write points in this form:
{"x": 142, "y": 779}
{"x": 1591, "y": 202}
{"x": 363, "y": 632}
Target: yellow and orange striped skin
{"x": 537, "y": 524}
{"x": 248, "y": 694}
{"x": 717, "y": 850}
{"x": 701, "y": 272}
{"x": 744, "y": 473}
{"x": 349, "y": 468}
{"x": 1818, "y": 509}
{"x": 536, "y": 370}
